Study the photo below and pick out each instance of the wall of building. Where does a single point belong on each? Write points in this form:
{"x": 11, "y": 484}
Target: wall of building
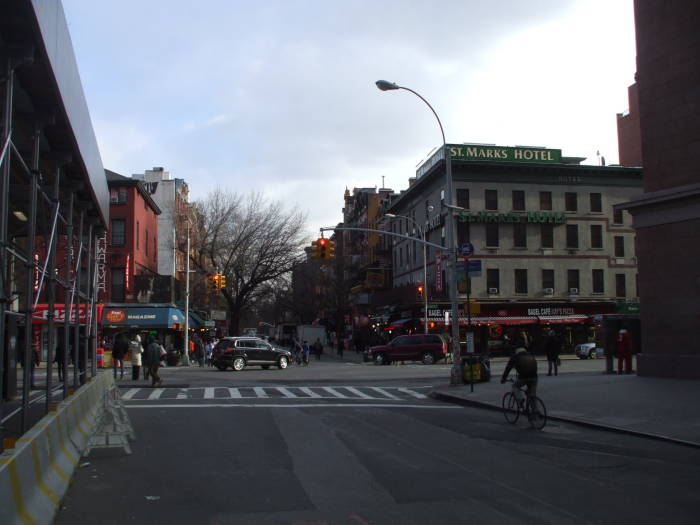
{"x": 629, "y": 132}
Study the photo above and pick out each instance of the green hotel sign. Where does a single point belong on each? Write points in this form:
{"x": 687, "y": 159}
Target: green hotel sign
{"x": 530, "y": 216}
{"x": 504, "y": 153}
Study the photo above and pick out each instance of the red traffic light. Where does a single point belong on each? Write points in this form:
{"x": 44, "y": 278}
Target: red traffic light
{"x": 420, "y": 289}
{"x": 322, "y": 242}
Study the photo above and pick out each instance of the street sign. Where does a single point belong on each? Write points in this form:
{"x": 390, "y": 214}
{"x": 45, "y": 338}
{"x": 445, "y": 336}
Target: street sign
{"x": 467, "y": 250}
{"x": 474, "y": 266}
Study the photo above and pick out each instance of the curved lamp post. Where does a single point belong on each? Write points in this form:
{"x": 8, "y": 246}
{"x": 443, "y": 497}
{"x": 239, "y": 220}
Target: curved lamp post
{"x": 385, "y": 85}
{"x": 425, "y": 268}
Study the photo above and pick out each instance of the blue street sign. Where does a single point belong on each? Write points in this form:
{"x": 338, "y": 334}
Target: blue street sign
{"x": 473, "y": 266}
{"x": 467, "y": 250}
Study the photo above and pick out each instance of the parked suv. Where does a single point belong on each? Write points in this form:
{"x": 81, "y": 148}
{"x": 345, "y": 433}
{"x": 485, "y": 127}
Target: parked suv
{"x": 238, "y": 352}
{"x": 427, "y": 348}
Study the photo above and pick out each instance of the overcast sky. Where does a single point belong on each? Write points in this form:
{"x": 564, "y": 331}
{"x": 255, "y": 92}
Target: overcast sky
{"x": 279, "y": 96}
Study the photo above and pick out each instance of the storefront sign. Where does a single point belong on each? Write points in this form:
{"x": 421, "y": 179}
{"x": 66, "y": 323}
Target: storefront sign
{"x": 101, "y": 262}
{"x": 438, "y": 270}
{"x": 527, "y": 217}
{"x": 551, "y": 311}
{"x": 143, "y": 317}
{"x": 504, "y": 153}
{"x": 41, "y": 313}
{"x": 436, "y": 221}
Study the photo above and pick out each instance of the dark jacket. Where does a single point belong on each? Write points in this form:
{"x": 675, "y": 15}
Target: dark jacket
{"x": 151, "y": 355}
{"x": 525, "y": 365}
{"x": 552, "y": 347}
{"x": 121, "y": 346}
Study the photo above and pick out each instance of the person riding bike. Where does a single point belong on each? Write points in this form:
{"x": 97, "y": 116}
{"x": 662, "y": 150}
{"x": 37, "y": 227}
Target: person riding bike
{"x": 525, "y": 365}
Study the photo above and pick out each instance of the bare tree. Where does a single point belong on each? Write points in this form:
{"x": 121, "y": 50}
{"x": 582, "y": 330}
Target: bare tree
{"x": 251, "y": 241}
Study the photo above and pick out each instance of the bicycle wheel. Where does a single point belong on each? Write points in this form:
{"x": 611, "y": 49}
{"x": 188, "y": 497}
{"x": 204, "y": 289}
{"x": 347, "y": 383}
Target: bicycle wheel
{"x": 510, "y": 408}
{"x": 537, "y": 413}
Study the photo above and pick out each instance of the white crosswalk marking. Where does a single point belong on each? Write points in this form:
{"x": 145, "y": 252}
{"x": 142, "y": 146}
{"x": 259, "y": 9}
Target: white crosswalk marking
{"x": 309, "y": 392}
{"x": 130, "y": 393}
{"x": 286, "y": 392}
{"x": 383, "y": 392}
{"x": 209, "y": 393}
{"x": 357, "y": 392}
{"x": 156, "y": 393}
{"x": 334, "y": 392}
{"x": 260, "y": 391}
{"x": 417, "y": 395}
{"x": 234, "y": 393}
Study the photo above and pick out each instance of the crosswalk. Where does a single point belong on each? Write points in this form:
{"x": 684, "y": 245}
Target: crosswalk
{"x": 335, "y": 392}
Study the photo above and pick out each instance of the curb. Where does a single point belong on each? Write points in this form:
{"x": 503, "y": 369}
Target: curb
{"x": 440, "y": 396}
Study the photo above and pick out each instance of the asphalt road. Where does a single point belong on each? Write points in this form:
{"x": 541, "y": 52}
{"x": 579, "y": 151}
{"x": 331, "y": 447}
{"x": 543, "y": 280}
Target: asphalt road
{"x": 315, "y": 446}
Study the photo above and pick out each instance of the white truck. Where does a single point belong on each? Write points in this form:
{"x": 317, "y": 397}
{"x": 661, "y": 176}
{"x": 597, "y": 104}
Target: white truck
{"x": 307, "y": 332}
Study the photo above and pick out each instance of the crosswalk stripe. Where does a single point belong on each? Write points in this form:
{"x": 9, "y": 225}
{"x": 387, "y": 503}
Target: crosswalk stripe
{"x": 286, "y": 392}
{"x": 156, "y": 393}
{"x": 130, "y": 393}
{"x": 260, "y": 391}
{"x": 383, "y": 392}
{"x": 334, "y": 392}
{"x": 417, "y": 395}
{"x": 357, "y": 392}
{"x": 309, "y": 392}
{"x": 234, "y": 393}
{"x": 209, "y": 393}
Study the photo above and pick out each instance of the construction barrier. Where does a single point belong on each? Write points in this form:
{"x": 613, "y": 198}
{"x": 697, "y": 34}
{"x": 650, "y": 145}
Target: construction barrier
{"x": 35, "y": 474}
{"x": 100, "y": 357}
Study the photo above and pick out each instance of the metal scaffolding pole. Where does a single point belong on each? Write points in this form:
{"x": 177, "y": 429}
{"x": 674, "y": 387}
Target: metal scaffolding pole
{"x": 51, "y": 293}
{"x": 76, "y": 294}
{"x": 85, "y": 353}
{"x": 68, "y": 304}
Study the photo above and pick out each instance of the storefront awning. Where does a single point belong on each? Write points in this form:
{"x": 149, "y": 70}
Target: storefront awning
{"x": 41, "y": 313}
{"x": 196, "y": 321}
{"x": 510, "y": 320}
{"x": 563, "y": 319}
{"x": 154, "y": 317}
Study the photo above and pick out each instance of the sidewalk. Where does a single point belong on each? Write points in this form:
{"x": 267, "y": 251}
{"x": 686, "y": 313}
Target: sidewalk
{"x": 658, "y": 408}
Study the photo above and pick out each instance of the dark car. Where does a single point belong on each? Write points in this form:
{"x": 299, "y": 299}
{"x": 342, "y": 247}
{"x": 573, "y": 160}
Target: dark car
{"x": 239, "y": 352}
{"x": 427, "y": 348}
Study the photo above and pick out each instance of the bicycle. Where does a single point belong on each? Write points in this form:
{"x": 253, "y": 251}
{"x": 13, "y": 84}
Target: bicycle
{"x": 514, "y": 405}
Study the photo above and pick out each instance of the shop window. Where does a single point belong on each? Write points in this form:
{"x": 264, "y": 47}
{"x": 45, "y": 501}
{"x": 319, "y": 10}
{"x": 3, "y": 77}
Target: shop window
{"x": 118, "y": 232}
{"x": 518, "y": 200}
{"x": 598, "y": 277}
{"x": 492, "y": 237}
{"x": 571, "y": 201}
{"x": 548, "y": 280}
{"x": 596, "y": 203}
{"x": 572, "y": 236}
{"x": 118, "y": 280}
{"x": 596, "y": 236}
{"x": 520, "y": 281}
{"x": 547, "y": 235}
{"x": 619, "y": 246}
{"x": 491, "y": 199}
{"x": 620, "y": 285}
{"x": 520, "y": 235}
{"x": 463, "y": 198}
{"x": 545, "y": 200}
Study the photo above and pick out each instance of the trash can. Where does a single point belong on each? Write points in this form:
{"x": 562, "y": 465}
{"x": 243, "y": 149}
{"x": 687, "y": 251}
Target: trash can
{"x": 475, "y": 368}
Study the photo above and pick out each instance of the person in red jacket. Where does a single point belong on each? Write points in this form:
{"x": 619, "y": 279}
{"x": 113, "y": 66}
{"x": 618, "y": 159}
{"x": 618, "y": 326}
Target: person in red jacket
{"x": 624, "y": 351}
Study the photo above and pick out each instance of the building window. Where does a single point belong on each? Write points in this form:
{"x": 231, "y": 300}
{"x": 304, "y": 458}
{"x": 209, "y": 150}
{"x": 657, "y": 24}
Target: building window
{"x": 154, "y": 248}
{"x": 146, "y": 243}
{"x": 520, "y": 235}
{"x": 118, "y": 232}
{"x": 596, "y": 203}
{"x": 401, "y": 257}
{"x": 572, "y": 280}
{"x": 117, "y": 280}
{"x": 547, "y": 235}
{"x": 137, "y": 234}
{"x": 518, "y": 200}
{"x": 117, "y": 196}
{"x": 548, "y": 280}
{"x": 571, "y": 201}
{"x": 620, "y": 285}
{"x": 619, "y": 246}
{"x": 545, "y": 200}
{"x": 415, "y": 253}
{"x": 492, "y": 235}
{"x": 572, "y": 236}
{"x": 462, "y": 232}
{"x": 598, "y": 281}
{"x": 463, "y": 198}
{"x": 596, "y": 236}
{"x": 617, "y": 217}
{"x": 520, "y": 281}
{"x": 491, "y": 199}
{"x": 493, "y": 280}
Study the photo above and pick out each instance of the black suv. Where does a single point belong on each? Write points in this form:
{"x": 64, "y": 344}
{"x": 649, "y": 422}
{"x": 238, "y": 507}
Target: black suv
{"x": 238, "y": 352}
{"x": 427, "y": 348}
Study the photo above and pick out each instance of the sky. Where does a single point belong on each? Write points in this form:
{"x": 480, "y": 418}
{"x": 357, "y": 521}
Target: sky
{"x": 278, "y": 97}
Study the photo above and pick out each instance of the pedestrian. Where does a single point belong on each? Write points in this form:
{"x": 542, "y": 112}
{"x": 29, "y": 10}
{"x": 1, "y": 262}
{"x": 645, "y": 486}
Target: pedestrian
{"x": 624, "y": 351}
{"x": 318, "y": 349}
{"x": 306, "y": 350}
{"x": 552, "y": 347}
{"x": 192, "y": 347}
{"x": 60, "y": 358}
{"x": 119, "y": 350}
{"x": 136, "y": 349}
{"x": 152, "y": 356}
{"x": 198, "y": 350}
{"x": 208, "y": 351}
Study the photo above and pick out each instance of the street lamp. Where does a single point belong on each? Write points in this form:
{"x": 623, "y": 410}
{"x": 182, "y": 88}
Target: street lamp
{"x": 425, "y": 268}
{"x": 385, "y": 85}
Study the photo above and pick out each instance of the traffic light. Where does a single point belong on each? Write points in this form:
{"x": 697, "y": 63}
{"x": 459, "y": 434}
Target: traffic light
{"x": 421, "y": 290}
{"x": 214, "y": 281}
{"x": 315, "y": 250}
{"x": 330, "y": 249}
{"x": 323, "y": 248}
{"x": 222, "y": 281}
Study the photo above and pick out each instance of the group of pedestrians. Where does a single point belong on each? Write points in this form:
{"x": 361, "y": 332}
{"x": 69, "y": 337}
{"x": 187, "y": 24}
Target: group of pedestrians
{"x": 148, "y": 357}
{"x": 303, "y": 350}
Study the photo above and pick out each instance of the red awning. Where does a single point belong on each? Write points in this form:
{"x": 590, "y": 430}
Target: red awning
{"x": 507, "y": 319}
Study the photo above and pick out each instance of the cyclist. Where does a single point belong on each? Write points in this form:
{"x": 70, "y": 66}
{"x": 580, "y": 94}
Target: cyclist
{"x": 526, "y": 367}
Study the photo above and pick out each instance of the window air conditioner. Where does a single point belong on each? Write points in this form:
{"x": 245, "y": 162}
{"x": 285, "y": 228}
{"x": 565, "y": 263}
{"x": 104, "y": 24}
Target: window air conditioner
{"x": 573, "y": 291}
{"x": 493, "y": 291}
{"x": 548, "y": 291}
